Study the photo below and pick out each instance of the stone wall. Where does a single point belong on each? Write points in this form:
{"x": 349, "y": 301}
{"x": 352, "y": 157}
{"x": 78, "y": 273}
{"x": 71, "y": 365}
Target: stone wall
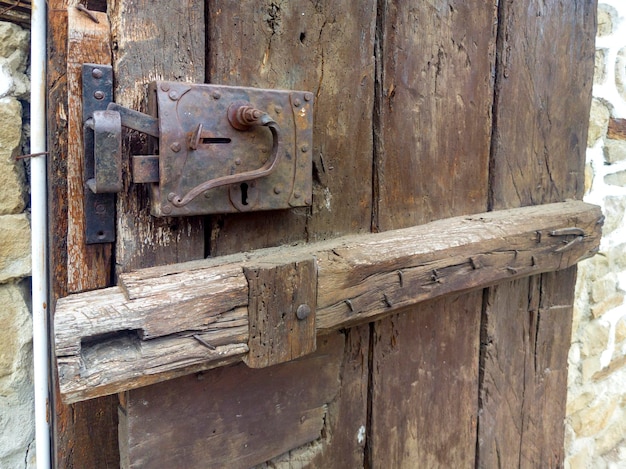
{"x": 596, "y": 407}
{"x": 17, "y": 427}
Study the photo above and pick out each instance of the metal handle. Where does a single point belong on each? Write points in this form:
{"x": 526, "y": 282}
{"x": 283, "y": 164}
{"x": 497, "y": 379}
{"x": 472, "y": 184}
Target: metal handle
{"x": 241, "y": 117}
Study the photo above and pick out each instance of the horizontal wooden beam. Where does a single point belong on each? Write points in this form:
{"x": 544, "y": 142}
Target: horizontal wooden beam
{"x": 164, "y": 322}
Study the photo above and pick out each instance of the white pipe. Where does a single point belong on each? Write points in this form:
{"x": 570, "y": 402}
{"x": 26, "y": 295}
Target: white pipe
{"x": 39, "y": 230}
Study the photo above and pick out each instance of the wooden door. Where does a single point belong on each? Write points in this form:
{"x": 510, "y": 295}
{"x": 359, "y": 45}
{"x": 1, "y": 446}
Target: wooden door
{"x": 423, "y": 111}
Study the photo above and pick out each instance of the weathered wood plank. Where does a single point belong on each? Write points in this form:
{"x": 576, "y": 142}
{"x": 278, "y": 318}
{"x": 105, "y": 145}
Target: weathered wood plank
{"x": 360, "y": 278}
{"x": 439, "y": 433}
{"x": 282, "y": 407}
{"x": 73, "y": 266}
{"x": 433, "y": 128}
{"x": 544, "y": 76}
{"x": 281, "y": 312}
{"x": 153, "y": 40}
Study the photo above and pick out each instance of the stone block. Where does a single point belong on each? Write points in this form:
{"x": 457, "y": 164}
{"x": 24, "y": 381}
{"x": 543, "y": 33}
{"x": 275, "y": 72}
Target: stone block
{"x": 614, "y": 207}
{"x": 594, "y": 338}
{"x": 598, "y": 121}
{"x": 599, "y": 73}
{"x": 590, "y": 367}
{"x": 610, "y": 438}
{"x": 604, "y": 287}
{"x": 12, "y": 181}
{"x": 614, "y": 301}
{"x": 614, "y": 151}
{"x": 591, "y": 420}
{"x": 579, "y": 460}
{"x": 14, "y": 46}
{"x": 620, "y": 330}
{"x": 16, "y": 387}
{"x": 15, "y": 260}
{"x": 616, "y": 179}
{"x": 606, "y": 16}
{"x": 580, "y": 402}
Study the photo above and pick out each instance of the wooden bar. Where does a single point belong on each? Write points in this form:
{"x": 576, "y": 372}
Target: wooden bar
{"x": 142, "y": 331}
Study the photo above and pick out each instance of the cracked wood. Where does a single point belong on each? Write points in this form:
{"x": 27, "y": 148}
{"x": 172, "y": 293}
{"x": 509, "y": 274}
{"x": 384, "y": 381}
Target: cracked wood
{"x": 144, "y": 330}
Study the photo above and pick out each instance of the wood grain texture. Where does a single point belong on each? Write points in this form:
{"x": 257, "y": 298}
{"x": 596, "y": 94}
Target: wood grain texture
{"x": 440, "y": 432}
{"x": 544, "y": 77}
{"x": 276, "y": 295}
{"x": 433, "y": 126}
{"x": 543, "y": 94}
{"x": 153, "y": 40}
{"x": 109, "y": 340}
{"x": 324, "y": 47}
{"x": 213, "y": 424}
{"x": 74, "y": 266}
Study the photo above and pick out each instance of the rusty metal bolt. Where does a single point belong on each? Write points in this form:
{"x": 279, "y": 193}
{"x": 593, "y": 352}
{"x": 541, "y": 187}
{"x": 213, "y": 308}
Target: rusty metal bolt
{"x": 304, "y": 148}
{"x": 296, "y": 195}
{"x": 297, "y": 102}
{"x": 96, "y": 73}
{"x": 278, "y": 109}
{"x": 167, "y": 209}
{"x": 216, "y": 95}
{"x": 173, "y": 95}
{"x": 308, "y": 96}
{"x": 277, "y": 190}
{"x": 165, "y": 87}
{"x": 238, "y": 161}
{"x": 175, "y": 147}
{"x": 303, "y": 312}
{"x": 99, "y": 95}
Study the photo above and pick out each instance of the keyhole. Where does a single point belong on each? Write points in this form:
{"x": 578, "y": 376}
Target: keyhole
{"x": 244, "y": 193}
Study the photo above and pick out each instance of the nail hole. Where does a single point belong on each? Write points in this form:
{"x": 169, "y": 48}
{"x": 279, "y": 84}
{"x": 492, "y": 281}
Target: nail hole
{"x": 302, "y": 37}
{"x": 100, "y": 234}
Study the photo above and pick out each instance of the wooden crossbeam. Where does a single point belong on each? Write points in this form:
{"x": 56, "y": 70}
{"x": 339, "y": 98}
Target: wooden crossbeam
{"x": 164, "y": 322}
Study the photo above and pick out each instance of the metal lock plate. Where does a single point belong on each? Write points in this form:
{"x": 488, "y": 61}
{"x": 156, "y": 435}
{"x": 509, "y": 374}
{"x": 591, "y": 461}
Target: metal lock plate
{"x": 198, "y": 143}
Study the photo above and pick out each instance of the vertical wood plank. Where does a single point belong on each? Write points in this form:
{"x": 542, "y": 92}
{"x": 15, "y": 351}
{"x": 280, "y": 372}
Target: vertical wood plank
{"x": 542, "y": 96}
{"x": 434, "y": 99}
{"x": 153, "y": 40}
{"x": 324, "y": 47}
{"x": 80, "y": 428}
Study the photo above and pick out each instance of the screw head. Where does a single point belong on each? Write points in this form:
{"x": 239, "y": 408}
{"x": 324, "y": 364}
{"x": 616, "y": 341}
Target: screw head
{"x": 308, "y": 96}
{"x": 277, "y": 190}
{"x": 166, "y": 209}
{"x": 96, "y": 73}
{"x": 278, "y": 109}
{"x": 297, "y": 102}
{"x": 303, "y": 312}
{"x": 304, "y": 148}
{"x": 216, "y": 95}
{"x": 297, "y": 195}
{"x": 99, "y": 95}
{"x": 165, "y": 87}
{"x": 238, "y": 161}
{"x": 175, "y": 147}
{"x": 173, "y": 95}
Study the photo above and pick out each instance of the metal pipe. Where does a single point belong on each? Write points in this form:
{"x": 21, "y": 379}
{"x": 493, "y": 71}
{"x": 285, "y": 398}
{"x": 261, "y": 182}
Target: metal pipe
{"x": 38, "y": 233}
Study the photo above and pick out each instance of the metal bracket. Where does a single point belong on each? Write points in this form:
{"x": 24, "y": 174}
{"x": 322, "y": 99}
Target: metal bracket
{"x": 102, "y": 150}
{"x": 218, "y": 149}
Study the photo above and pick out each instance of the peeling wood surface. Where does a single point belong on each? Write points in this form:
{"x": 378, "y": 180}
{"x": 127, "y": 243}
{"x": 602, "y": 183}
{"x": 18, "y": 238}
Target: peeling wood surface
{"x": 73, "y": 39}
{"x": 106, "y": 341}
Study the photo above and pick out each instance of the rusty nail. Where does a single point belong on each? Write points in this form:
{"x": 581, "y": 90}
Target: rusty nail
{"x": 387, "y": 300}
{"x": 277, "y": 190}
{"x": 84, "y": 9}
{"x": 204, "y": 342}
{"x": 401, "y": 277}
{"x": 173, "y": 95}
{"x": 238, "y": 161}
{"x": 216, "y": 95}
{"x": 307, "y": 201}
{"x": 96, "y": 73}
{"x": 571, "y": 244}
{"x": 349, "y": 303}
{"x": 304, "y": 148}
{"x": 538, "y": 233}
{"x": 533, "y": 261}
{"x": 308, "y": 96}
{"x": 303, "y": 311}
{"x": 31, "y": 155}
{"x": 512, "y": 270}
{"x": 474, "y": 263}
{"x": 568, "y": 231}
{"x": 175, "y": 147}
{"x": 165, "y": 87}
{"x": 99, "y": 95}
{"x": 297, "y": 195}
{"x": 167, "y": 209}
{"x": 297, "y": 102}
